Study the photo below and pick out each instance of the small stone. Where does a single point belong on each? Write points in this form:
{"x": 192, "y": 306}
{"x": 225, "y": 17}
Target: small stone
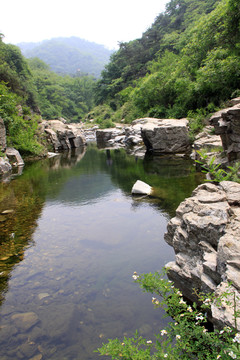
{"x": 43, "y": 296}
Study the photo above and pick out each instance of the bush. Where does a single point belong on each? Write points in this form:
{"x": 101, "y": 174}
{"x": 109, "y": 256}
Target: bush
{"x": 186, "y": 337}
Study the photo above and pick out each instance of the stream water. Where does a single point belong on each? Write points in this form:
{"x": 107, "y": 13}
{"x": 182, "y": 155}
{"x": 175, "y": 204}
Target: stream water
{"x": 71, "y": 236}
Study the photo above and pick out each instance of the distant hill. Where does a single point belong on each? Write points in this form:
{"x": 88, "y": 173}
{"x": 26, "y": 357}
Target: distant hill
{"x": 69, "y": 55}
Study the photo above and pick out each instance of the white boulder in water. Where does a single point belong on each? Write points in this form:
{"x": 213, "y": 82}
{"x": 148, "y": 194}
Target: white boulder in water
{"x": 142, "y": 188}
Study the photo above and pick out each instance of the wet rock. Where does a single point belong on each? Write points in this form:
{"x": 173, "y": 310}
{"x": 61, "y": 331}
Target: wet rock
{"x": 25, "y": 321}
{"x": 7, "y": 332}
{"x": 43, "y": 296}
{"x": 28, "y": 349}
{"x": 37, "y": 357}
{"x": 57, "y": 320}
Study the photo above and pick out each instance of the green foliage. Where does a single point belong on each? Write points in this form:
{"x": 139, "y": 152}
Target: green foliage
{"x": 14, "y": 71}
{"x": 61, "y": 96}
{"x": 187, "y": 336}
{"x": 21, "y": 131}
{"x": 216, "y": 173}
{"x": 186, "y": 62}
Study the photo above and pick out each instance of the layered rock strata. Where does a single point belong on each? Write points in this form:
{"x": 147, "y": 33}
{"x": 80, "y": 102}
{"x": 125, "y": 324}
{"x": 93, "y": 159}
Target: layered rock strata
{"x": 206, "y": 239}
{"x": 227, "y": 124}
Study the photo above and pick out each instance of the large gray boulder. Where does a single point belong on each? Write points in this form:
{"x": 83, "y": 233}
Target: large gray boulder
{"x": 227, "y": 124}
{"x": 165, "y": 136}
{"x": 206, "y": 240}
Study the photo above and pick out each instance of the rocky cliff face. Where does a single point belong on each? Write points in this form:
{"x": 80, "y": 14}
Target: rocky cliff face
{"x": 63, "y": 136}
{"x": 227, "y": 124}
{"x": 206, "y": 239}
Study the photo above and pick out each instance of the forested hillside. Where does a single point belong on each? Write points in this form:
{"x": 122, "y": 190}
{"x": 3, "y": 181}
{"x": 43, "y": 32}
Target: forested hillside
{"x": 69, "y": 55}
{"x": 186, "y": 64}
{"x": 28, "y": 89}
{"x": 188, "y": 60}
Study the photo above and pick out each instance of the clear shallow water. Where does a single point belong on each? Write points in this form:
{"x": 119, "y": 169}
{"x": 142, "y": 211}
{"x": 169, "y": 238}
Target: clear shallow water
{"x": 70, "y": 244}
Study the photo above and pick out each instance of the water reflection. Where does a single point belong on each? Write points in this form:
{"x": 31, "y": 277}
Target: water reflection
{"x": 70, "y": 240}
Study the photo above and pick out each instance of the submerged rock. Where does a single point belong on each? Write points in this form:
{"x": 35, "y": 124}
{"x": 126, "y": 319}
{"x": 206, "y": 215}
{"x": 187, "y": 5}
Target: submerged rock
{"x": 25, "y": 321}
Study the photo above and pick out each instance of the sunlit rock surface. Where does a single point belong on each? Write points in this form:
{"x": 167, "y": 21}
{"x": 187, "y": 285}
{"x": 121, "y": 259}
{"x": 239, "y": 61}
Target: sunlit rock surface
{"x": 63, "y": 136}
{"x": 206, "y": 239}
{"x": 141, "y": 188}
{"x": 165, "y": 135}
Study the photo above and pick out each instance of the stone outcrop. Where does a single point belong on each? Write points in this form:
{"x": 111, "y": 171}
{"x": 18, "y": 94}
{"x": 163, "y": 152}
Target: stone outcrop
{"x": 207, "y": 140}
{"x": 63, "y": 136}
{"x": 227, "y": 124}
{"x": 206, "y": 240}
{"x": 165, "y": 136}
{"x": 3, "y": 142}
{"x": 5, "y": 166}
{"x": 14, "y": 157}
{"x": 120, "y": 136}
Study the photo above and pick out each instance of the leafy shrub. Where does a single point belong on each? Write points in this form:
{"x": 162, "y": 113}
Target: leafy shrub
{"x": 21, "y": 132}
{"x": 187, "y": 336}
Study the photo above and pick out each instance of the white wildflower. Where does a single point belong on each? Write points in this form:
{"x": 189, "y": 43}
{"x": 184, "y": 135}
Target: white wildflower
{"x": 149, "y": 342}
{"x": 179, "y": 293}
{"x": 155, "y": 301}
{"x": 135, "y": 276}
{"x": 218, "y": 357}
{"x": 207, "y": 301}
{"x": 237, "y": 338}
{"x": 182, "y": 301}
{"x": 233, "y": 356}
{"x": 199, "y": 317}
{"x": 189, "y": 309}
{"x": 163, "y": 332}
{"x": 178, "y": 337}
{"x": 165, "y": 355}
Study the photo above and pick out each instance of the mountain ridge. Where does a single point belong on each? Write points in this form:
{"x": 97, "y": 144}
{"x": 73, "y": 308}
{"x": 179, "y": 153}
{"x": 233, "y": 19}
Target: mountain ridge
{"x": 69, "y": 55}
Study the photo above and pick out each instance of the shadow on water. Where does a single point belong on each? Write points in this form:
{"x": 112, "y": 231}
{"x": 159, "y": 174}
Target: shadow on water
{"x": 71, "y": 235}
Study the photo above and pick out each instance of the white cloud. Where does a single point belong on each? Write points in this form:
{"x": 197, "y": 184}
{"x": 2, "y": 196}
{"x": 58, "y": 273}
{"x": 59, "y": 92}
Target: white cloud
{"x": 105, "y": 22}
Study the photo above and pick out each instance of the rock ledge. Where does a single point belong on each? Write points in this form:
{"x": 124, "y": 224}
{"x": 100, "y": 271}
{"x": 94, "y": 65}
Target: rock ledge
{"x": 206, "y": 240}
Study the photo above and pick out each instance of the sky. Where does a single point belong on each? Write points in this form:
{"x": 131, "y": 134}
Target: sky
{"x": 105, "y": 22}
